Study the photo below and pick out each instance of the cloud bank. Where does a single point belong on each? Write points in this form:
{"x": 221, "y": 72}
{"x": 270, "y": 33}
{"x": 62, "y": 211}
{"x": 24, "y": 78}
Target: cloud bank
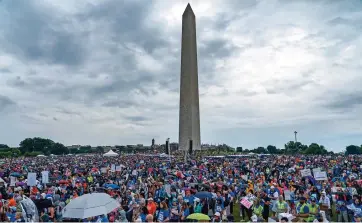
{"x": 107, "y": 72}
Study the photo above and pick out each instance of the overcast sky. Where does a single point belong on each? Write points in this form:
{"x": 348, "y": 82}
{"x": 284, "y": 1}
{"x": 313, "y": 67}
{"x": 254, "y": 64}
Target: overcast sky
{"x": 107, "y": 72}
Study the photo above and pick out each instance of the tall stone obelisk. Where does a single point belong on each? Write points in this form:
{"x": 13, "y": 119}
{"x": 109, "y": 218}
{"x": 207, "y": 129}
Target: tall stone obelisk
{"x": 189, "y": 122}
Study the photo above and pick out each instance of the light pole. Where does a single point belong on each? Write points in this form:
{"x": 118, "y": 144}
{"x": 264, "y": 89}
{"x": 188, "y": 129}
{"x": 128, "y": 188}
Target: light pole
{"x": 168, "y": 149}
{"x": 295, "y": 142}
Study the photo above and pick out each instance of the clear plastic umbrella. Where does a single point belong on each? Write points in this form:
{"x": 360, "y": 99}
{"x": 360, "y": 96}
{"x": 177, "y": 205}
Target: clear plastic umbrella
{"x": 90, "y": 205}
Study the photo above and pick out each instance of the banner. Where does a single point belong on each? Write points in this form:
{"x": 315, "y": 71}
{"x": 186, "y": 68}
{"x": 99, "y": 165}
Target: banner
{"x": 306, "y": 172}
{"x": 321, "y": 176}
{"x": 45, "y": 177}
{"x": 246, "y": 203}
{"x": 31, "y": 179}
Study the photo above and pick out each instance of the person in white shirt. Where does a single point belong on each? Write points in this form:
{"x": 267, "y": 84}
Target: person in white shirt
{"x": 325, "y": 203}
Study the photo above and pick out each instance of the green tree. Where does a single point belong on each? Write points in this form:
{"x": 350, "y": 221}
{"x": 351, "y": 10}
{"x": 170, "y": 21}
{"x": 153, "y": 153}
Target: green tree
{"x": 100, "y": 149}
{"x": 4, "y": 146}
{"x": 260, "y": 150}
{"x": 85, "y": 149}
{"x": 314, "y": 148}
{"x": 272, "y": 149}
{"x": 121, "y": 149}
{"x": 27, "y": 145}
{"x": 352, "y": 150}
{"x": 294, "y": 147}
{"x": 239, "y": 149}
{"x": 59, "y": 149}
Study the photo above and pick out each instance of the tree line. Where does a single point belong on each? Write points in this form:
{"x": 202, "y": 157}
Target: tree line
{"x": 298, "y": 148}
{"x": 36, "y": 146}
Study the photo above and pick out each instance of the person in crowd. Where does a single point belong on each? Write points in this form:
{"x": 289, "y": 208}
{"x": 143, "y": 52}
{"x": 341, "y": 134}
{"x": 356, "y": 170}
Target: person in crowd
{"x": 149, "y": 218}
{"x": 325, "y": 205}
{"x": 163, "y": 214}
{"x": 313, "y": 209}
{"x": 258, "y": 210}
{"x": 151, "y": 206}
{"x": 341, "y": 207}
{"x": 302, "y": 211}
{"x": 280, "y": 206}
{"x": 217, "y": 217}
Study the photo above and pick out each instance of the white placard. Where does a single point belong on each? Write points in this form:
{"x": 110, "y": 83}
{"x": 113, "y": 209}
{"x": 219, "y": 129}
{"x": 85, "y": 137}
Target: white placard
{"x": 118, "y": 168}
{"x": 142, "y": 161}
{"x": 287, "y": 195}
{"x": 45, "y": 177}
{"x": 113, "y": 168}
{"x": 31, "y": 179}
{"x": 12, "y": 181}
{"x": 168, "y": 189}
{"x": 316, "y": 170}
{"x": 244, "y": 177}
{"x": 134, "y": 172}
{"x": 306, "y": 172}
{"x": 321, "y": 176}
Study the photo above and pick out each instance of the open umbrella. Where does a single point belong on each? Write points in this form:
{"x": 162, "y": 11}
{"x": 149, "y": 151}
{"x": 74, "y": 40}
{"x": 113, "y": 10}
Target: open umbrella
{"x": 90, "y": 205}
{"x": 15, "y": 174}
{"x": 203, "y": 195}
{"x": 198, "y": 217}
{"x": 112, "y": 186}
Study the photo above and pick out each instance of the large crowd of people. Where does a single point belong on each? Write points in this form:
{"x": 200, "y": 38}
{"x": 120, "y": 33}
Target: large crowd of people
{"x": 161, "y": 188}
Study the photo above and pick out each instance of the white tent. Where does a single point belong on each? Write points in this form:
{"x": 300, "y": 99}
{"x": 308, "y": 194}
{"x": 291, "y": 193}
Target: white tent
{"x": 110, "y": 153}
{"x": 40, "y": 155}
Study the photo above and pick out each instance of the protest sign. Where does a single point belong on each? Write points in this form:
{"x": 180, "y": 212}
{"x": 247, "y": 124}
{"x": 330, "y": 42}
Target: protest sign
{"x": 316, "y": 170}
{"x": 246, "y": 203}
{"x": 118, "y": 168}
{"x": 113, "y": 168}
{"x": 31, "y": 179}
{"x": 45, "y": 177}
{"x": 306, "y": 172}
{"x": 321, "y": 176}
{"x": 12, "y": 181}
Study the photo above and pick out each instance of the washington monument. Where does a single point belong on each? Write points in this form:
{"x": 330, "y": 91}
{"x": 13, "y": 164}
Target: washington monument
{"x": 189, "y": 122}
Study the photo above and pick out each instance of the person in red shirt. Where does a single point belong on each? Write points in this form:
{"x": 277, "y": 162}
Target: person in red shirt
{"x": 151, "y": 206}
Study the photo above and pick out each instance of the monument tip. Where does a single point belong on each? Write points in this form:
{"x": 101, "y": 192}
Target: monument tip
{"x": 188, "y": 10}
